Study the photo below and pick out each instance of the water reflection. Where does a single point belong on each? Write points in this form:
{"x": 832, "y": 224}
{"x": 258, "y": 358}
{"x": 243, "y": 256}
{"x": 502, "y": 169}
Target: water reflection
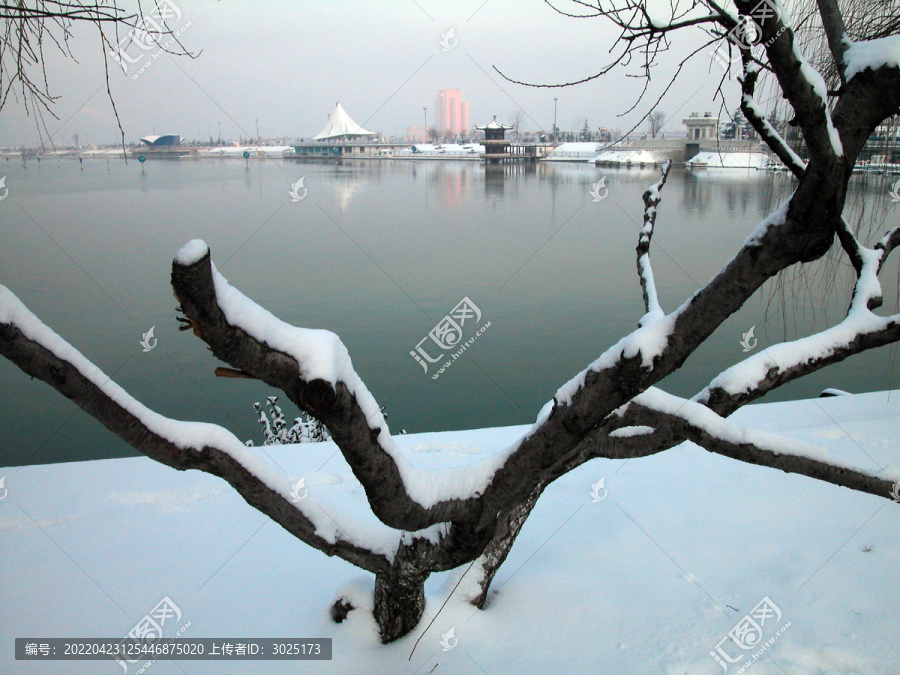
{"x": 379, "y": 251}
{"x": 737, "y": 190}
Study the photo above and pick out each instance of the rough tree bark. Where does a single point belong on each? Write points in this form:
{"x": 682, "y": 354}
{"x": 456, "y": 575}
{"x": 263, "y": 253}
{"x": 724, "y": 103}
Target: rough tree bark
{"x": 587, "y": 416}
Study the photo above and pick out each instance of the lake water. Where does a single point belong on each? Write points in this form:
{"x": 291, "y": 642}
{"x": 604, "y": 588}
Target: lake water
{"x": 379, "y": 252}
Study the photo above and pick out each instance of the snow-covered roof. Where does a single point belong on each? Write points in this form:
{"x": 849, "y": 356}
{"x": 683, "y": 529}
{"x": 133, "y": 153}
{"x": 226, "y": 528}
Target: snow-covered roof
{"x": 493, "y": 124}
{"x": 341, "y": 125}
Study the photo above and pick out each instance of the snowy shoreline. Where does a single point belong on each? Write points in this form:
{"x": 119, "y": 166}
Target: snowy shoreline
{"x": 641, "y": 580}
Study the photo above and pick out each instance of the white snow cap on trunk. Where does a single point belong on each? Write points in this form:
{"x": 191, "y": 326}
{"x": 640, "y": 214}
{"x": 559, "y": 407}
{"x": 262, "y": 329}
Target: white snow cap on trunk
{"x": 872, "y": 54}
{"x": 191, "y": 252}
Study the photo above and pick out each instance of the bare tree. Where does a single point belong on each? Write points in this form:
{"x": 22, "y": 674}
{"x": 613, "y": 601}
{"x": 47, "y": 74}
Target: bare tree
{"x": 655, "y": 121}
{"x": 27, "y": 27}
{"x": 515, "y": 121}
{"x": 428, "y": 523}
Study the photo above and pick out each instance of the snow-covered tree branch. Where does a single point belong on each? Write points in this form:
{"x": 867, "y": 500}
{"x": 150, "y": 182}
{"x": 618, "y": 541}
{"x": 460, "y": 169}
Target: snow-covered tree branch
{"x": 652, "y": 198}
{"x": 41, "y": 353}
{"x": 695, "y": 422}
{"x": 757, "y": 119}
{"x": 423, "y": 520}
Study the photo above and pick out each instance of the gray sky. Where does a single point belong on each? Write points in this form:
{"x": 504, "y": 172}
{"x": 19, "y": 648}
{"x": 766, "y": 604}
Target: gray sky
{"x": 285, "y": 64}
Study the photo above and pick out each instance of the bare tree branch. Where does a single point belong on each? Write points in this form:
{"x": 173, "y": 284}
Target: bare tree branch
{"x": 28, "y": 25}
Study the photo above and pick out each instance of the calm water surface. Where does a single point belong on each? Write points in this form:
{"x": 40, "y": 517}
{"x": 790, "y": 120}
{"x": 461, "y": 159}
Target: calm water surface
{"x": 379, "y": 252}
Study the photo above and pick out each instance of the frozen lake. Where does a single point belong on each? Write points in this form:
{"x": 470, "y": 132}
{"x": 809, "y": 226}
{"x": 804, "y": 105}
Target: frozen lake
{"x": 379, "y": 252}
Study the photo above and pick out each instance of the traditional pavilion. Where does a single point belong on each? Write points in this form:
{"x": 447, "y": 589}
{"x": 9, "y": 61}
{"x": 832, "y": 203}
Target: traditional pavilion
{"x": 496, "y": 147}
{"x": 341, "y": 127}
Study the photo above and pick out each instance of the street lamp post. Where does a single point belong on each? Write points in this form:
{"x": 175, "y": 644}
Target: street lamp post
{"x": 555, "y": 132}
{"x": 425, "y": 122}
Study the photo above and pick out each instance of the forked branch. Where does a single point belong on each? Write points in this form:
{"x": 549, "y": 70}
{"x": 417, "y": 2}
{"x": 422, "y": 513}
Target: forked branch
{"x": 313, "y": 369}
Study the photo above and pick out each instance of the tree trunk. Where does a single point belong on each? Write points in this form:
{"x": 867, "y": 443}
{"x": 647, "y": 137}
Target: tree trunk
{"x": 495, "y": 552}
{"x": 399, "y": 602}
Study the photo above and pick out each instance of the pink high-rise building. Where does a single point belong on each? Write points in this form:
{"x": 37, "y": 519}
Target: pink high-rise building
{"x": 451, "y": 114}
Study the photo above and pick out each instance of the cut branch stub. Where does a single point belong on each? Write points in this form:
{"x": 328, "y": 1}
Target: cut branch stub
{"x": 197, "y": 277}
{"x": 319, "y": 398}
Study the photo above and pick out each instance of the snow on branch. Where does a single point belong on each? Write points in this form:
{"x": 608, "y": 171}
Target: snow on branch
{"x": 802, "y": 85}
{"x": 871, "y": 54}
{"x": 313, "y": 368}
{"x": 41, "y": 353}
{"x": 860, "y": 330}
{"x": 851, "y": 245}
{"x": 580, "y": 409}
{"x": 887, "y": 244}
{"x": 757, "y": 119}
{"x": 704, "y": 427}
{"x": 645, "y": 270}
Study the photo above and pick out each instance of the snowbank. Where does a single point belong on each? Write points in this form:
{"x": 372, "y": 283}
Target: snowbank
{"x": 644, "y": 575}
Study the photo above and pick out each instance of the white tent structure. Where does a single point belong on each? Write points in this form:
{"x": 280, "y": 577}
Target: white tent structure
{"x": 341, "y": 127}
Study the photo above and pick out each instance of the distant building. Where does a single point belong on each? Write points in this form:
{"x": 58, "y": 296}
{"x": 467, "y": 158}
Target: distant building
{"x": 416, "y": 134}
{"x": 496, "y": 147}
{"x": 159, "y": 141}
{"x": 451, "y": 116}
{"x": 342, "y": 128}
{"x": 701, "y": 128}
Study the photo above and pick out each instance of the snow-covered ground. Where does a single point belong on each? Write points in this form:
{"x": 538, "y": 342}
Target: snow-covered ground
{"x": 645, "y": 573}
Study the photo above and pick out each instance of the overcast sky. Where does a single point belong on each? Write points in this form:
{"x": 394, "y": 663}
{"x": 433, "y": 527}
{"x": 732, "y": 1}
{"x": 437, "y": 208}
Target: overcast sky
{"x": 285, "y": 63}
